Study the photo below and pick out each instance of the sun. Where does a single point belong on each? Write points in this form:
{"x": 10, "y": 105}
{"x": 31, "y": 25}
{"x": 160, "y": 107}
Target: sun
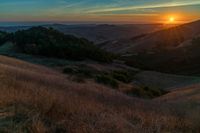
{"x": 171, "y": 19}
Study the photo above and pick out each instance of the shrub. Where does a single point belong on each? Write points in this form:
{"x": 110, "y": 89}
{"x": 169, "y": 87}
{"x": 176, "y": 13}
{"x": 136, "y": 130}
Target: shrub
{"x": 122, "y": 75}
{"x": 196, "y": 41}
{"x": 146, "y": 92}
{"x": 3, "y": 37}
{"x": 79, "y": 79}
{"x": 69, "y": 70}
{"x": 107, "y": 80}
{"x": 89, "y": 72}
{"x": 83, "y": 70}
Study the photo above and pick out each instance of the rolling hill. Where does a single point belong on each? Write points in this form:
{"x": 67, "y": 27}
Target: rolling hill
{"x": 185, "y": 94}
{"x": 174, "y": 50}
{"x": 80, "y": 95}
{"x": 107, "y": 32}
{"x": 165, "y": 81}
{"x": 98, "y": 33}
{"x": 169, "y": 38}
{"x": 37, "y": 99}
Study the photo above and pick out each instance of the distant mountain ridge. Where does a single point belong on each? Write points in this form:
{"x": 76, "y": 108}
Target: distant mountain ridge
{"x": 98, "y": 33}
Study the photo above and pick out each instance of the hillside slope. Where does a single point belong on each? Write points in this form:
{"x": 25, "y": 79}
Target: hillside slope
{"x": 169, "y": 38}
{"x": 107, "y": 32}
{"x": 37, "y": 99}
{"x": 174, "y": 50}
{"x": 164, "y": 81}
{"x": 183, "y": 94}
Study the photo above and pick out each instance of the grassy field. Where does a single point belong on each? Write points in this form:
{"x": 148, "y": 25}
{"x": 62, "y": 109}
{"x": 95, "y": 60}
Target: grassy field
{"x": 128, "y": 80}
{"x": 37, "y": 99}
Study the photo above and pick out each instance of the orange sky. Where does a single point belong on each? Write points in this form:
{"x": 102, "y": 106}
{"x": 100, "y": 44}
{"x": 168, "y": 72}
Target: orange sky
{"x": 113, "y": 11}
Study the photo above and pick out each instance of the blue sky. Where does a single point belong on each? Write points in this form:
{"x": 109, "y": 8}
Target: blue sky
{"x": 136, "y": 11}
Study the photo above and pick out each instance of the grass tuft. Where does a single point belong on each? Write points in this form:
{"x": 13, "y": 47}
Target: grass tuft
{"x": 107, "y": 80}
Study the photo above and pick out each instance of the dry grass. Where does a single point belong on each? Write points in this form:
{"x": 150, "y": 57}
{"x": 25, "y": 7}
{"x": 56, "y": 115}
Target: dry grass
{"x": 38, "y": 100}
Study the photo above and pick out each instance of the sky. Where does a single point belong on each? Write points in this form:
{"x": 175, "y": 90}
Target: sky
{"x": 110, "y": 11}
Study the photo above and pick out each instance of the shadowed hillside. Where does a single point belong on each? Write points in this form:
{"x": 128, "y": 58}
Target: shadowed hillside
{"x": 36, "y": 99}
{"x": 174, "y": 50}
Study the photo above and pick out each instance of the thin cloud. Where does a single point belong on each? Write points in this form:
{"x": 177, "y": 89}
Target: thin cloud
{"x": 164, "y": 5}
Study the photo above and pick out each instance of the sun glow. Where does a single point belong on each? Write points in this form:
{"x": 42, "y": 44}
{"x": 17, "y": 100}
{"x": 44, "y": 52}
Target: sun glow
{"x": 171, "y": 19}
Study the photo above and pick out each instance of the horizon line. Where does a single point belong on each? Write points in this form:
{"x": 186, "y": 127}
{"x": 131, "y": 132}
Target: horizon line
{"x": 86, "y": 22}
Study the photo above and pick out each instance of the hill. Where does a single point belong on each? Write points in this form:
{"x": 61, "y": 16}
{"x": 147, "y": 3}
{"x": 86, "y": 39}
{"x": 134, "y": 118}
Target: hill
{"x": 107, "y": 32}
{"x": 98, "y": 33}
{"x": 51, "y": 43}
{"x": 37, "y": 99}
{"x": 184, "y": 94}
{"x": 111, "y": 96}
{"x": 11, "y": 29}
{"x": 164, "y": 81}
{"x": 169, "y": 38}
{"x": 174, "y": 50}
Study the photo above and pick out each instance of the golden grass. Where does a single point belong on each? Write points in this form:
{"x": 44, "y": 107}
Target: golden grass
{"x": 40, "y": 100}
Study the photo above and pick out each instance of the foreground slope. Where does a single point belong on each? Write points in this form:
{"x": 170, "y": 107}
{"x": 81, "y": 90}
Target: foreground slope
{"x": 36, "y": 99}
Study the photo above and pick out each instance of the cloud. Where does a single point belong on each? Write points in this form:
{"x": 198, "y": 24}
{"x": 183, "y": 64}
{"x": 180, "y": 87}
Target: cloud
{"x": 127, "y": 8}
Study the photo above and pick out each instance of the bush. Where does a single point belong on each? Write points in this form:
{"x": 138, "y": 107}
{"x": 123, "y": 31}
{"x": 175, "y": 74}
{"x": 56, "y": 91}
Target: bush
{"x": 196, "y": 41}
{"x": 79, "y": 79}
{"x": 122, "y": 75}
{"x": 3, "y": 37}
{"x": 107, "y": 80}
{"x": 146, "y": 92}
{"x": 69, "y": 70}
{"x": 83, "y": 70}
{"x": 89, "y": 72}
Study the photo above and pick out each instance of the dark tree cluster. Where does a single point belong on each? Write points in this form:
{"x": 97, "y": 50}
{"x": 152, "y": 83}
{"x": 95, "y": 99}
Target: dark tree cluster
{"x": 196, "y": 41}
{"x": 52, "y": 43}
{"x": 3, "y": 37}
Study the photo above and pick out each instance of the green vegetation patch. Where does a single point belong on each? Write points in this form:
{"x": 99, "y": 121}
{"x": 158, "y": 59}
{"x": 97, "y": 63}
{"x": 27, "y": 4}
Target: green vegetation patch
{"x": 146, "y": 92}
{"x": 3, "y": 37}
{"x": 107, "y": 80}
{"x": 125, "y": 76}
{"x": 52, "y": 43}
{"x": 196, "y": 41}
{"x": 7, "y": 47}
{"x": 110, "y": 78}
{"x": 83, "y": 70}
